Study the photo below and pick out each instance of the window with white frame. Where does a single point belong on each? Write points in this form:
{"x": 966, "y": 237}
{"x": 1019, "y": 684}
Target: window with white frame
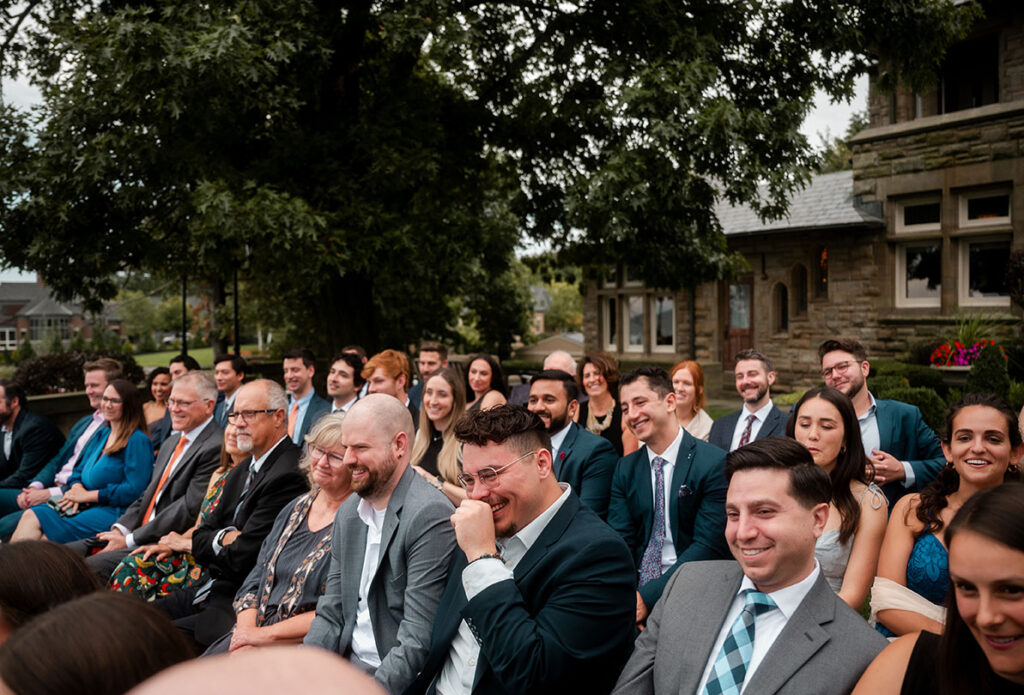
{"x": 611, "y": 324}
{"x": 919, "y": 274}
{"x": 985, "y": 208}
{"x": 920, "y": 214}
{"x": 982, "y": 276}
{"x": 8, "y": 338}
{"x": 663, "y": 324}
{"x": 633, "y": 322}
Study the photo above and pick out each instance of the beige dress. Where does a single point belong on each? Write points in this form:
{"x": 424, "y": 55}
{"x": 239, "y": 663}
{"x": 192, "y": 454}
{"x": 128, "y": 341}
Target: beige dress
{"x": 700, "y": 425}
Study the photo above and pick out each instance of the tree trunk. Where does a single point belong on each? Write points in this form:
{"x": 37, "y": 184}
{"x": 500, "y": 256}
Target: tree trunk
{"x": 218, "y": 336}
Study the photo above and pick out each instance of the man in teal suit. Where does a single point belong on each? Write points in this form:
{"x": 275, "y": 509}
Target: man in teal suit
{"x": 905, "y": 453}
{"x": 668, "y": 498}
{"x": 580, "y": 458}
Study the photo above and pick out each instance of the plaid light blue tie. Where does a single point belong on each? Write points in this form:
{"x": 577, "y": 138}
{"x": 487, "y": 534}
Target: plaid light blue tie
{"x": 726, "y": 677}
{"x": 650, "y": 564}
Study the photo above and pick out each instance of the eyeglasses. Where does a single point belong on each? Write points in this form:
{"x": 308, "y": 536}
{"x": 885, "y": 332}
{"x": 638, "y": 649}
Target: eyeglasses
{"x": 836, "y": 368}
{"x": 112, "y": 401}
{"x": 247, "y": 415}
{"x": 176, "y": 403}
{"x": 487, "y": 476}
{"x": 315, "y": 453}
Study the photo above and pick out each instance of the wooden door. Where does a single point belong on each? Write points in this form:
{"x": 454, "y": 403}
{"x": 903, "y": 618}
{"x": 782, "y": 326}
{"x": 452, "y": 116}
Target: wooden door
{"x": 739, "y": 319}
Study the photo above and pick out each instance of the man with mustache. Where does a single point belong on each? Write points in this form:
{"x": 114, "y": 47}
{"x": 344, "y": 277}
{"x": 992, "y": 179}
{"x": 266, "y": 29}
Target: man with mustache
{"x": 758, "y": 418}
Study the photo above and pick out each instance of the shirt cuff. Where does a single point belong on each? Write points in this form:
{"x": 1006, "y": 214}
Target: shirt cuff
{"x": 217, "y": 547}
{"x": 909, "y": 481}
{"x": 56, "y": 492}
{"x": 36, "y": 485}
{"x": 483, "y": 573}
{"x": 122, "y": 528}
{"x": 129, "y": 541}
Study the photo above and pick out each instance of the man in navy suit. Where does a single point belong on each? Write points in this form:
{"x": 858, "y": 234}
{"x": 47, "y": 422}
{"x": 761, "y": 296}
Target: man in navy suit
{"x": 668, "y": 498}
{"x": 580, "y": 458}
{"x": 27, "y": 440}
{"x": 905, "y": 453}
{"x": 539, "y": 596}
{"x": 229, "y": 373}
{"x": 758, "y": 418}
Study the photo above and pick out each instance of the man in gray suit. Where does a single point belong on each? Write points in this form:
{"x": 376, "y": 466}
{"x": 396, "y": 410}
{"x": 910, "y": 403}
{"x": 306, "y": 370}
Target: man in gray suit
{"x": 769, "y": 624}
{"x": 390, "y": 552}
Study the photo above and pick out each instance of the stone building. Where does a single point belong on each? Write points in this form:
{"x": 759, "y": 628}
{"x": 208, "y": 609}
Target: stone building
{"x": 890, "y": 252}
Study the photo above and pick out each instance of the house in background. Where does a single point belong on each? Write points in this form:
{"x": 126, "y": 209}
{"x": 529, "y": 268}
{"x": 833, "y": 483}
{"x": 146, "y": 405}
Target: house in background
{"x": 28, "y": 310}
{"x": 890, "y": 252}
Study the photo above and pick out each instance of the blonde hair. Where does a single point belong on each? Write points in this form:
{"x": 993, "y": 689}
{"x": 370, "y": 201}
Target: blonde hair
{"x": 325, "y": 434}
{"x": 448, "y": 464}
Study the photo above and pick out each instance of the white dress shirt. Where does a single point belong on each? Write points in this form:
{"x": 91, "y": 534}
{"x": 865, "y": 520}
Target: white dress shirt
{"x": 872, "y": 438}
{"x": 767, "y": 626}
{"x": 345, "y": 407}
{"x": 759, "y": 417}
{"x": 668, "y": 548}
{"x": 364, "y": 644}
{"x": 460, "y": 666}
{"x": 557, "y": 439}
{"x": 8, "y": 439}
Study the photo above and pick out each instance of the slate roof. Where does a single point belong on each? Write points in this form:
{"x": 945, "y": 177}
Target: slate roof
{"x": 827, "y": 202}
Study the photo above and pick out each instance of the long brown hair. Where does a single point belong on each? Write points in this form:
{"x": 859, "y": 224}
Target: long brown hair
{"x": 132, "y": 417}
{"x": 448, "y": 458}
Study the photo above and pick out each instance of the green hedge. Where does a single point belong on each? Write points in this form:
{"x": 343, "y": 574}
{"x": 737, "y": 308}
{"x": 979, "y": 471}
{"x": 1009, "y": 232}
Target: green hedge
{"x": 878, "y": 385}
{"x": 989, "y": 373}
{"x": 933, "y": 408}
{"x": 917, "y": 375}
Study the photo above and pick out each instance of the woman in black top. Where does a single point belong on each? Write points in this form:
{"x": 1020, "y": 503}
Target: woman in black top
{"x": 598, "y": 374}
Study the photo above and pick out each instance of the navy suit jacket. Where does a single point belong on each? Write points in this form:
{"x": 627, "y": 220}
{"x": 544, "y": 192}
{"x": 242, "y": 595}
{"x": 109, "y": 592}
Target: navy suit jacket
{"x": 722, "y": 428}
{"x": 49, "y": 472}
{"x": 317, "y": 408}
{"x": 33, "y": 443}
{"x": 903, "y": 433}
{"x": 696, "y": 512}
{"x": 220, "y": 411}
{"x": 563, "y": 625}
{"x": 587, "y": 462}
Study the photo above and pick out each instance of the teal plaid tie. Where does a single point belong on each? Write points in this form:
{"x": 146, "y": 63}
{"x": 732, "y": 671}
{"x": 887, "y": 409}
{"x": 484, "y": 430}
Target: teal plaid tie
{"x": 726, "y": 677}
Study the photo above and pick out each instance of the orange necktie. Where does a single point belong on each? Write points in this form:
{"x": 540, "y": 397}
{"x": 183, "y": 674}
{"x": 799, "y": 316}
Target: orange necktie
{"x": 292, "y": 417}
{"x": 163, "y": 479}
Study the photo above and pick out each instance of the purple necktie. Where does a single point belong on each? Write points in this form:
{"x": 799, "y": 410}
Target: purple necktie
{"x": 745, "y": 437}
{"x": 650, "y": 565}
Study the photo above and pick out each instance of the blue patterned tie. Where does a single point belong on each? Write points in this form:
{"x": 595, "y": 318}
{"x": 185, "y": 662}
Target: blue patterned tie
{"x": 726, "y": 677}
{"x": 650, "y": 565}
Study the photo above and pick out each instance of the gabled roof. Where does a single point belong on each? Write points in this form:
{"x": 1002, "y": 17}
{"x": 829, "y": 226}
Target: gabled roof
{"x": 47, "y": 306}
{"x": 826, "y": 203}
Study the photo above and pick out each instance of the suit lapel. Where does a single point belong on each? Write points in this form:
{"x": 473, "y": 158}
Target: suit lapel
{"x": 887, "y": 434}
{"x": 680, "y": 473}
{"x": 799, "y": 640}
{"x": 551, "y": 533}
{"x": 392, "y": 517}
{"x": 705, "y": 622}
{"x": 643, "y": 491}
{"x": 353, "y": 534}
{"x": 565, "y": 451}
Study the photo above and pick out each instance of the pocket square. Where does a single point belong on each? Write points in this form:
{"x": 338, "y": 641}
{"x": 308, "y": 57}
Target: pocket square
{"x": 685, "y": 491}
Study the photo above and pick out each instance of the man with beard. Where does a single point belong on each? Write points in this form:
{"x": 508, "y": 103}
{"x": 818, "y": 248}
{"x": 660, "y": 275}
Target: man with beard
{"x": 758, "y": 418}
{"x": 228, "y": 542}
{"x": 580, "y": 458}
{"x": 390, "y": 551}
{"x": 905, "y": 454}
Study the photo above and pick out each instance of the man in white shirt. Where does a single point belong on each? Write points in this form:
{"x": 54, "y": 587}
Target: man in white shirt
{"x": 390, "y": 551}
{"x": 758, "y": 418}
{"x": 539, "y": 598}
{"x": 769, "y": 624}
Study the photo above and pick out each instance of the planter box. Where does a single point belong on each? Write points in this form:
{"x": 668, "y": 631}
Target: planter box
{"x": 953, "y": 376}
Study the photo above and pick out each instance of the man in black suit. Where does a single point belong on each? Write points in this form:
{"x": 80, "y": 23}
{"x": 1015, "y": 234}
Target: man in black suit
{"x": 758, "y": 418}
{"x": 229, "y": 372}
{"x": 180, "y": 475}
{"x": 29, "y": 440}
{"x": 580, "y": 458}
{"x": 540, "y": 592}
{"x": 255, "y": 491}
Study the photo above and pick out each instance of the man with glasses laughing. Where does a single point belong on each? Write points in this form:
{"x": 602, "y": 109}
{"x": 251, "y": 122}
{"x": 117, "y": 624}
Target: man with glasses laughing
{"x": 904, "y": 453}
{"x": 540, "y": 593}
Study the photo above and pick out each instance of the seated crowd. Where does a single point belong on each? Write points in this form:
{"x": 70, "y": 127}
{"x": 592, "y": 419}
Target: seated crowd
{"x": 589, "y": 531}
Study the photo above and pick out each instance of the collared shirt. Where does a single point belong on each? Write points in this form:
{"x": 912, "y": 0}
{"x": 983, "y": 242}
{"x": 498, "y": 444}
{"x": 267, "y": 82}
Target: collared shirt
{"x": 872, "y": 438}
{"x": 64, "y": 474}
{"x": 344, "y": 408}
{"x": 8, "y": 439}
{"x": 254, "y": 467}
{"x": 229, "y": 402}
{"x": 364, "y": 644}
{"x": 767, "y": 626}
{"x": 557, "y": 438}
{"x": 190, "y": 437}
{"x": 760, "y": 416}
{"x": 668, "y": 548}
{"x": 460, "y": 666}
{"x": 301, "y": 415}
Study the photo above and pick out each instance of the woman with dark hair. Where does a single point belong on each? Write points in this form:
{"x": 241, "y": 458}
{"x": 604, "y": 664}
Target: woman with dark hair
{"x": 159, "y": 382}
{"x": 435, "y": 451}
{"x": 688, "y": 384}
{"x": 100, "y": 644}
{"x": 825, "y": 422}
{"x": 598, "y": 374}
{"x": 154, "y": 571}
{"x": 485, "y": 382}
{"x": 982, "y": 444}
{"x": 36, "y": 576}
{"x": 114, "y": 469}
{"x": 981, "y": 649}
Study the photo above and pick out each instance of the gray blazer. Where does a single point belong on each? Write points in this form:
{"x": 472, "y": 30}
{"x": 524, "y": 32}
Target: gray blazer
{"x": 824, "y": 647}
{"x": 415, "y": 550}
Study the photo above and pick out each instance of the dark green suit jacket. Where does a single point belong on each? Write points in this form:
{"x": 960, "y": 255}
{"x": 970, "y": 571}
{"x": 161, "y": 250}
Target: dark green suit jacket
{"x": 34, "y": 441}
{"x": 903, "y": 433}
{"x": 587, "y": 462}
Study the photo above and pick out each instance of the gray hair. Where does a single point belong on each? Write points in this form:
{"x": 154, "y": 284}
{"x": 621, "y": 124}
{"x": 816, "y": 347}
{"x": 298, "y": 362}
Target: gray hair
{"x": 200, "y": 382}
{"x": 564, "y": 355}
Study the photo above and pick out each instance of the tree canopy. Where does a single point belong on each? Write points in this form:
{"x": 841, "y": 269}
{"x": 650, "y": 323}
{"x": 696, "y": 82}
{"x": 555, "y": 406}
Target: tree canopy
{"x": 369, "y": 166}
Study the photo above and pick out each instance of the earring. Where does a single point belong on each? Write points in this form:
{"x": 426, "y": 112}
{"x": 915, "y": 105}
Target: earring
{"x": 842, "y": 450}
{"x": 1012, "y": 468}
{"x": 949, "y": 464}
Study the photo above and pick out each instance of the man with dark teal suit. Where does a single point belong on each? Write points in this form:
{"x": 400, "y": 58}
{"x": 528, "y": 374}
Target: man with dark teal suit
{"x": 580, "y": 458}
{"x": 904, "y": 452}
{"x": 668, "y": 498}
{"x": 539, "y": 594}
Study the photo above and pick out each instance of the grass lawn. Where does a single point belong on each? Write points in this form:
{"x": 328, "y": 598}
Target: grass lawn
{"x": 202, "y": 355}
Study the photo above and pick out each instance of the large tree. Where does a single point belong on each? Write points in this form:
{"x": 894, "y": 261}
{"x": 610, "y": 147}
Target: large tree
{"x": 363, "y": 163}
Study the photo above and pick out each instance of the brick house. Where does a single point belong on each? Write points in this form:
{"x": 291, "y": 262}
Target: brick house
{"x": 889, "y": 252}
{"x": 28, "y": 310}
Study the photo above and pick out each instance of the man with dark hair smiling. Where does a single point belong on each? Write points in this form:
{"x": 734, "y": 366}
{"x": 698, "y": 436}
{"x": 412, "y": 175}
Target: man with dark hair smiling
{"x": 344, "y": 381}
{"x": 759, "y": 417}
{"x": 229, "y": 372}
{"x": 539, "y": 597}
{"x": 580, "y": 458}
{"x": 767, "y": 623}
{"x": 668, "y": 497}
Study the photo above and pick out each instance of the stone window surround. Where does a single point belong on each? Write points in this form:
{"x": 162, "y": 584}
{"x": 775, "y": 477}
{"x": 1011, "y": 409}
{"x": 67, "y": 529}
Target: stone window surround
{"x": 622, "y": 295}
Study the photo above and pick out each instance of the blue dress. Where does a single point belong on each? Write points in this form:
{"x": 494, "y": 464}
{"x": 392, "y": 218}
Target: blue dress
{"x": 120, "y": 479}
{"x": 927, "y": 572}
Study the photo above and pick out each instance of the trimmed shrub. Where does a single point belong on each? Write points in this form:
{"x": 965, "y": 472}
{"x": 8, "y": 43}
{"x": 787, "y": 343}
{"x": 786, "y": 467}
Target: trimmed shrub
{"x": 1016, "y": 398}
{"x": 60, "y": 373}
{"x": 788, "y": 399}
{"x": 933, "y": 408}
{"x": 916, "y": 375}
{"x": 881, "y": 385}
{"x": 921, "y": 351}
{"x": 989, "y": 373}
{"x": 953, "y": 395}
{"x": 25, "y": 352}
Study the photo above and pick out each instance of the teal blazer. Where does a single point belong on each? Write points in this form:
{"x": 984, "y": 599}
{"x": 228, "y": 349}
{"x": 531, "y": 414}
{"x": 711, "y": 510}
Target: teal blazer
{"x": 587, "y": 462}
{"x": 50, "y": 470}
{"x": 903, "y": 433}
